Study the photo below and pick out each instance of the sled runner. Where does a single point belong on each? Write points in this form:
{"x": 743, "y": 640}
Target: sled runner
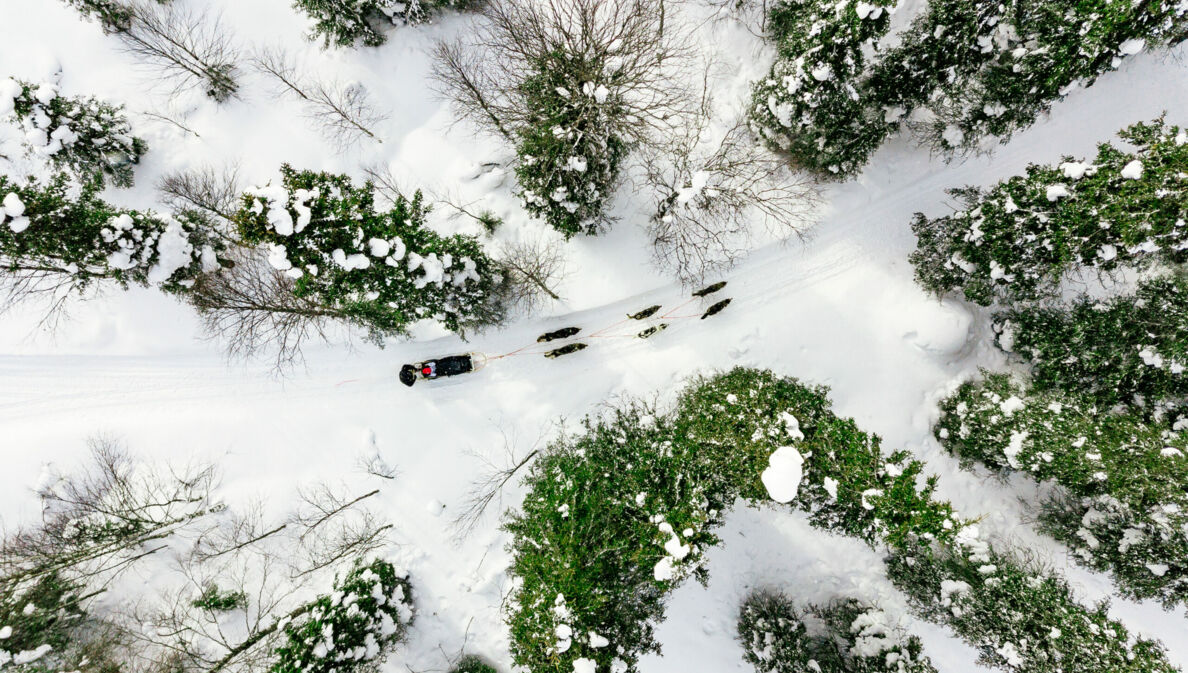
{"x": 715, "y": 309}
{"x": 710, "y": 289}
{"x": 652, "y": 330}
{"x": 452, "y": 365}
{"x": 563, "y": 333}
{"x": 646, "y": 313}
{"x": 565, "y": 350}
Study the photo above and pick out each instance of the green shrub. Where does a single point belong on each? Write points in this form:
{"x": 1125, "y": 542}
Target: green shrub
{"x": 58, "y": 235}
{"x": 569, "y": 154}
{"x": 384, "y": 269}
{"x": 212, "y": 599}
{"x": 1017, "y": 240}
{"x": 619, "y": 515}
{"x": 856, "y": 639}
{"x": 473, "y": 664}
{"x": 1020, "y": 617}
{"x": 351, "y": 629}
{"x": 86, "y": 136}
{"x": 345, "y": 23}
{"x": 1121, "y": 507}
{"x": 1131, "y": 349}
{"x": 809, "y": 105}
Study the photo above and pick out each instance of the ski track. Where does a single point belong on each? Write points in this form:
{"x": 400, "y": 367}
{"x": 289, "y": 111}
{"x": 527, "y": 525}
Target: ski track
{"x": 839, "y": 308}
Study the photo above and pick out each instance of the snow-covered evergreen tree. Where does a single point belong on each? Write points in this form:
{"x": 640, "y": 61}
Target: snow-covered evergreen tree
{"x": 1130, "y": 349}
{"x": 569, "y": 155}
{"x": 346, "y": 23}
{"x": 598, "y": 556}
{"x": 381, "y": 266}
{"x": 351, "y": 629}
{"x": 1016, "y": 240}
{"x": 813, "y": 104}
{"x": 91, "y": 138}
{"x": 58, "y": 237}
{"x": 857, "y": 638}
{"x": 987, "y": 69}
{"x": 114, "y": 15}
{"x": 1019, "y": 616}
{"x": 1121, "y": 505}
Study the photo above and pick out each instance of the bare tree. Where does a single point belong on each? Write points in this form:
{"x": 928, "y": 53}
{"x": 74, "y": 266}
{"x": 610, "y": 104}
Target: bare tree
{"x": 487, "y": 489}
{"x": 623, "y": 42}
{"x": 251, "y": 308}
{"x": 213, "y": 191}
{"x": 342, "y": 111}
{"x": 336, "y": 528}
{"x": 191, "y": 46}
{"x": 534, "y": 269}
{"x": 708, "y": 196}
{"x": 98, "y": 523}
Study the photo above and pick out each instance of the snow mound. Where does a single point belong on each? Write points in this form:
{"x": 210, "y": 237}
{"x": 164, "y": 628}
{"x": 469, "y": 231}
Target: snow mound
{"x": 785, "y": 470}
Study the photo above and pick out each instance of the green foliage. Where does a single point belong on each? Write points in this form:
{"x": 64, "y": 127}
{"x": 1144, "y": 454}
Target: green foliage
{"x": 596, "y": 556}
{"x": 570, "y": 154}
{"x": 1017, "y": 240}
{"x": 473, "y": 664}
{"x": 114, "y": 15}
{"x": 983, "y": 70}
{"x": 66, "y": 237}
{"x": 857, "y": 639}
{"x": 808, "y": 105}
{"x": 212, "y": 599}
{"x": 1121, "y": 507}
{"x": 39, "y": 615}
{"x": 1020, "y": 617}
{"x": 383, "y": 269}
{"x": 346, "y": 23}
{"x": 1131, "y": 349}
{"x": 351, "y": 629}
{"x": 84, "y": 135}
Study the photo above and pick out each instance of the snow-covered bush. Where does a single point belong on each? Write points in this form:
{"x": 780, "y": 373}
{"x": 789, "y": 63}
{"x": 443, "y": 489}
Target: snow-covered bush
{"x": 1130, "y": 349}
{"x": 1121, "y": 505}
{"x": 473, "y": 664}
{"x": 1126, "y": 208}
{"x": 351, "y": 629}
{"x": 569, "y": 156}
{"x": 113, "y": 15}
{"x": 1021, "y": 617}
{"x": 382, "y": 268}
{"x": 345, "y": 23}
{"x": 37, "y": 621}
{"x": 856, "y": 638}
{"x": 595, "y": 557}
{"x": 57, "y": 237}
{"x": 986, "y": 69}
{"x": 84, "y": 135}
{"x": 814, "y": 103}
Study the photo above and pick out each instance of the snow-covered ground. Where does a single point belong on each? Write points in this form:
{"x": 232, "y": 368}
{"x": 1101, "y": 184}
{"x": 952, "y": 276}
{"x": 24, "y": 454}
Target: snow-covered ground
{"x": 838, "y": 308}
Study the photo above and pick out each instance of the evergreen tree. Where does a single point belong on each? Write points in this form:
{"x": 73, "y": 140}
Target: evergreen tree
{"x": 1019, "y": 238}
{"x": 809, "y": 105}
{"x": 345, "y": 23}
{"x": 857, "y": 639}
{"x": 473, "y": 664}
{"x": 384, "y": 269}
{"x": 56, "y": 236}
{"x": 84, "y": 135}
{"x": 351, "y": 629}
{"x": 1121, "y": 506}
{"x": 569, "y": 155}
{"x": 114, "y": 15}
{"x": 1020, "y": 617}
{"x": 1131, "y": 349}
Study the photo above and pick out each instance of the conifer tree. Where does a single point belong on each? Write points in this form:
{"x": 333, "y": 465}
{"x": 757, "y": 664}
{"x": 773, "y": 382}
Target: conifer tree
{"x": 59, "y": 238}
{"x": 1017, "y": 240}
{"x": 382, "y": 267}
{"x": 1131, "y": 349}
{"x": 86, "y": 136}
{"x": 346, "y": 23}
{"x": 1121, "y": 505}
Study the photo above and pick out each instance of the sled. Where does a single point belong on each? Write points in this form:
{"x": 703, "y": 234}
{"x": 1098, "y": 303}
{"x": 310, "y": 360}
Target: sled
{"x": 565, "y": 350}
{"x": 654, "y": 329}
{"x": 646, "y": 313}
{"x": 710, "y": 289}
{"x": 715, "y": 309}
{"x": 443, "y": 367}
{"x": 563, "y": 333}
